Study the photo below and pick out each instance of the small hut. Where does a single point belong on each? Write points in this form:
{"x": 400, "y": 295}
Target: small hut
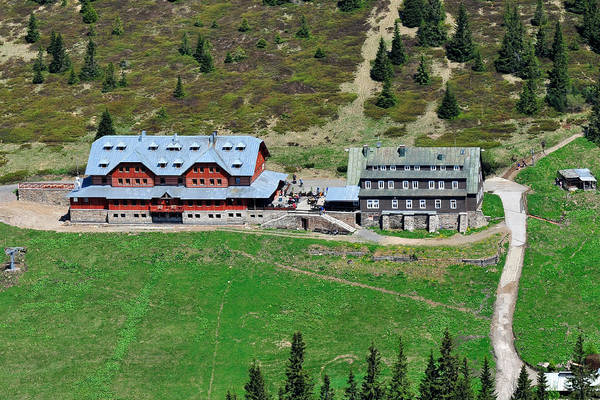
{"x": 573, "y": 179}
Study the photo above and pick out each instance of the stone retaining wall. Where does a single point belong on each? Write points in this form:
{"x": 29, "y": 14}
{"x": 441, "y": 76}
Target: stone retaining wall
{"x": 54, "y": 193}
{"x": 312, "y": 222}
{"x": 98, "y": 216}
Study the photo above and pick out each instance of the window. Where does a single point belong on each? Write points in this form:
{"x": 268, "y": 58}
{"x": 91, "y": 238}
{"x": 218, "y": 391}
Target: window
{"x": 417, "y": 167}
{"x": 422, "y": 203}
{"x": 375, "y": 167}
{"x": 442, "y": 167}
{"x": 404, "y": 184}
{"x": 115, "y": 215}
{"x": 230, "y": 215}
{"x": 453, "y": 204}
{"x": 104, "y": 181}
{"x": 145, "y": 181}
{"x": 190, "y": 215}
{"x": 415, "y": 184}
{"x": 407, "y": 167}
{"x": 194, "y": 181}
{"x": 238, "y": 181}
{"x": 212, "y": 181}
{"x": 218, "y": 215}
{"x": 143, "y": 215}
{"x": 138, "y": 181}
{"x": 180, "y": 181}
{"x": 392, "y": 167}
{"x": 137, "y": 169}
{"x": 440, "y": 184}
{"x": 201, "y": 181}
{"x": 126, "y": 169}
{"x": 238, "y": 215}
{"x": 210, "y": 216}
{"x": 380, "y": 184}
{"x": 433, "y": 167}
{"x": 367, "y": 184}
{"x": 454, "y": 184}
{"x": 394, "y": 203}
{"x": 383, "y": 167}
{"x": 136, "y": 215}
{"x": 202, "y": 169}
{"x": 195, "y": 169}
{"x": 431, "y": 184}
{"x": 457, "y": 168}
{"x": 211, "y": 169}
{"x": 120, "y": 181}
{"x": 219, "y": 182}
{"x": 197, "y": 215}
{"x": 128, "y": 181}
{"x": 408, "y": 204}
{"x": 74, "y": 199}
{"x": 438, "y": 203}
{"x": 162, "y": 181}
{"x": 390, "y": 184}
{"x": 372, "y": 204}
{"x": 122, "y": 215}
{"x": 85, "y": 199}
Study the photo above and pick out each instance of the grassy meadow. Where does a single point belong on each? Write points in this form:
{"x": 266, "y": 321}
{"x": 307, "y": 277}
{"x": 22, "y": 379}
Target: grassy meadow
{"x": 161, "y": 316}
{"x": 558, "y": 294}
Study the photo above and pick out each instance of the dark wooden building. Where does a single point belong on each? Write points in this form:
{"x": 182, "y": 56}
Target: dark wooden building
{"x": 573, "y": 179}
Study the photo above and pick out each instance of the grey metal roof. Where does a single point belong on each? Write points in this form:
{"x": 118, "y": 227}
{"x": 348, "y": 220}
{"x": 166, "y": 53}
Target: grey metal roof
{"x": 137, "y": 149}
{"x": 412, "y": 193}
{"x": 468, "y": 157}
{"x": 342, "y": 194}
{"x": 412, "y": 174}
{"x": 262, "y": 188}
{"x": 583, "y": 174}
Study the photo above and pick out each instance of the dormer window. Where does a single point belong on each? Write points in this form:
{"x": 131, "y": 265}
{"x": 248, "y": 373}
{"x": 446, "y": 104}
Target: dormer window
{"x": 240, "y": 146}
{"x": 194, "y": 146}
{"x": 440, "y": 157}
{"x": 153, "y": 146}
{"x": 103, "y": 163}
{"x": 178, "y": 163}
{"x": 162, "y": 163}
{"x": 107, "y": 146}
{"x": 173, "y": 146}
{"x": 237, "y": 164}
{"x": 227, "y": 146}
{"x": 121, "y": 146}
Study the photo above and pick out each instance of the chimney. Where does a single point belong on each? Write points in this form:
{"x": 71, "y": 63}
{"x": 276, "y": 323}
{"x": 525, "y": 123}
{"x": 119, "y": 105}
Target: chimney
{"x": 401, "y": 150}
{"x": 365, "y": 150}
{"x": 211, "y": 138}
{"x": 142, "y": 135}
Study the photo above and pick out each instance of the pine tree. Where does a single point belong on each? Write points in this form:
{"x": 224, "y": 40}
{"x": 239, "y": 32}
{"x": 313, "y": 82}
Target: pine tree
{"x": 590, "y": 30}
{"x": 105, "y": 126}
{"x": 386, "y": 98}
{"x": 558, "y": 86}
{"x": 464, "y": 390}
{"x": 486, "y": 392}
{"x": 371, "y": 387}
{"x": 399, "y": 387}
{"x": 397, "y": 54}
{"x": 592, "y": 131}
{"x": 179, "y": 93}
{"x": 349, "y": 5}
{"x": 448, "y": 110}
{"x": 448, "y": 363}
{"x": 73, "y": 79}
{"x": 214, "y": 24}
{"x": 244, "y": 26}
{"x": 539, "y": 18}
{"x": 89, "y": 14}
{"x": 303, "y": 32}
{"x": 255, "y": 387}
{"x": 60, "y": 60}
{"x": 541, "y": 389}
{"x": 381, "y": 68}
{"x": 185, "y": 48}
{"x": 52, "y": 46}
{"x": 530, "y": 67}
{"x": 429, "y": 388}
{"x": 297, "y": 383}
{"x": 523, "y": 389}
{"x": 33, "y": 32}
{"x": 110, "y": 81}
{"x": 228, "y": 58}
{"x": 558, "y": 43}
{"x": 412, "y": 13}
{"x": 91, "y": 31}
{"x": 351, "y": 391}
{"x": 202, "y": 55}
{"x": 90, "y": 69}
{"x": 327, "y": 392}
{"x": 432, "y": 31}
{"x": 38, "y": 64}
{"x": 583, "y": 376}
{"x": 528, "y": 102}
{"x": 117, "y": 28}
{"x": 261, "y": 43}
{"x": 422, "y": 76}
{"x": 541, "y": 47}
{"x": 319, "y": 53}
{"x": 513, "y": 45}
{"x": 478, "y": 65}
{"x": 38, "y": 76}
{"x": 461, "y": 48}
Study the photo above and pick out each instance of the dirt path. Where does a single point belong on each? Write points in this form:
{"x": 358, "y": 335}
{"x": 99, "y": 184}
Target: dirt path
{"x": 214, "y": 358}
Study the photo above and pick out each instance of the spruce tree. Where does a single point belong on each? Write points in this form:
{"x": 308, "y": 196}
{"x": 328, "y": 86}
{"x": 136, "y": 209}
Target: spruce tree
{"x": 327, "y": 392}
{"x": 117, "y": 28}
{"x": 73, "y": 79}
{"x": 52, "y": 46}
{"x": 448, "y": 110}
{"x": 399, "y": 387}
{"x": 203, "y": 56}
{"x": 110, "y": 81}
{"x": 590, "y": 30}
{"x": 91, "y": 31}
{"x": 580, "y": 383}
{"x": 349, "y": 5}
{"x": 464, "y": 390}
{"x": 179, "y": 93}
{"x": 351, "y": 391}
{"x": 592, "y": 131}
{"x": 255, "y": 387}
{"x": 541, "y": 388}
{"x": 261, "y": 43}
{"x": 90, "y": 69}
{"x": 38, "y": 76}
{"x": 558, "y": 43}
{"x": 105, "y": 126}
{"x": 412, "y": 13}
{"x": 513, "y": 45}
{"x": 371, "y": 387}
{"x": 228, "y": 58}
{"x": 303, "y": 32}
{"x": 244, "y": 26}
{"x": 319, "y": 53}
{"x": 381, "y": 68}
{"x": 397, "y": 54}
{"x": 478, "y": 65}
{"x": 461, "y": 48}
{"x": 89, "y": 14}
{"x": 297, "y": 383}
{"x": 60, "y": 60}
{"x": 448, "y": 363}
{"x": 486, "y": 391}
{"x": 432, "y": 31}
{"x": 429, "y": 388}
{"x": 539, "y": 18}
{"x": 528, "y": 102}
{"x": 523, "y": 389}
{"x": 541, "y": 47}
{"x": 33, "y": 32}
{"x": 422, "y": 76}
{"x": 530, "y": 67}
{"x": 386, "y": 98}
{"x": 123, "y": 80}
{"x": 185, "y": 48}
{"x": 558, "y": 85}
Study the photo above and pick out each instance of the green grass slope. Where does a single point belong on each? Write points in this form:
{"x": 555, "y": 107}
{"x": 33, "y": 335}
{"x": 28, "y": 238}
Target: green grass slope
{"x": 137, "y": 316}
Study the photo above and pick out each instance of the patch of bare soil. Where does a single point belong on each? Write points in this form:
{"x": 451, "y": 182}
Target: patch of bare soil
{"x": 14, "y": 45}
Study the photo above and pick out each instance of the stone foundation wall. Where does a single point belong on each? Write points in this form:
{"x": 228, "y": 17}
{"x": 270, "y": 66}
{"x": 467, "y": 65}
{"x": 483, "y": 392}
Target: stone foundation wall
{"x": 366, "y": 220}
{"x": 54, "y": 193}
{"x": 477, "y": 219}
{"x": 314, "y": 222}
{"x": 347, "y": 217}
{"x": 128, "y": 217}
{"x": 435, "y": 222}
{"x": 98, "y": 216}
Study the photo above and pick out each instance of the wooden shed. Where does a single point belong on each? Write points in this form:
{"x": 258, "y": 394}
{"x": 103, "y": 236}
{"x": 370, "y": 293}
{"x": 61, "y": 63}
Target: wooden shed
{"x": 580, "y": 178}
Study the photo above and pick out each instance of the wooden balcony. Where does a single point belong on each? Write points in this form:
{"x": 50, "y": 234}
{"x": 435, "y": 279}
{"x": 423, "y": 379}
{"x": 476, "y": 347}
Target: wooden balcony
{"x": 166, "y": 208}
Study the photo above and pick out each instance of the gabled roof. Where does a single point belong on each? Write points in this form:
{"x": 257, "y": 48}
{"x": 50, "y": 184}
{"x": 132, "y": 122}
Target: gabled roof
{"x": 137, "y": 149}
{"x": 583, "y": 174}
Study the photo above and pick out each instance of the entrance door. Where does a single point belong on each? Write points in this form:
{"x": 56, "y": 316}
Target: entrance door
{"x": 305, "y": 224}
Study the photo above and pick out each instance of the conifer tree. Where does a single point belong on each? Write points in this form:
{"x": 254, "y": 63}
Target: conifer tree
{"x": 412, "y": 13}
{"x": 244, "y": 26}
{"x": 33, "y": 32}
{"x": 399, "y": 387}
{"x": 386, "y": 98}
{"x": 541, "y": 47}
{"x": 319, "y": 53}
{"x": 371, "y": 387}
{"x": 203, "y": 56}
{"x": 523, "y": 389}
{"x": 513, "y": 45}
{"x": 461, "y": 48}
{"x": 255, "y": 387}
{"x": 117, "y": 28}
{"x": 351, "y": 391}
{"x": 539, "y": 18}
{"x": 179, "y": 93}
{"x": 432, "y": 31}
{"x": 478, "y": 65}
{"x": 349, "y": 5}
{"x": 91, "y": 31}
{"x": 558, "y": 86}
{"x": 327, "y": 392}
{"x": 261, "y": 43}
{"x": 89, "y": 14}
{"x": 123, "y": 80}
{"x": 486, "y": 392}
{"x": 38, "y": 76}
{"x": 60, "y": 60}
{"x": 580, "y": 383}
{"x": 397, "y": 54}
{"x": 448, "y": 363}
{"x": 592, "y": 131}
{"x": 73, "y": 78}
{"x": 447, "y": 110}
{"x": 90, "y": 69}
{"x": 185, "y": 49}
{"x": 541, "y": 389}
{"x": 381, "y": 68}
{"x": 230, "y": 396}
{"x": 110, "y": 81}
{"x": 429, "y": 388}
{"x": 105, "y": 126}
{"x": 528, "y": 102}
{"x": 38, "y": 64}
{"x": 303, "y": 32}
{"x": 530, "y": 67}
{"x": 228, "y": 58}
{"x": 422, "y": 76}
{"x": 464, "y": 390}
{"x": 52, "y": 46}
{"x": 558, "y": 43}
{"x": 590, "y": 29}
{"x": 297, "y": 383}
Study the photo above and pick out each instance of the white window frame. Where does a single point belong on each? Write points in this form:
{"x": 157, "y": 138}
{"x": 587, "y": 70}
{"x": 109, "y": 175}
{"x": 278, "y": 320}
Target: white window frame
{"x": 392, "y": 167}
{"x": 367, "y": 184}
{"x": 433, "y": 167}
{"x": 438, "y": 203}
{"x": 415, "y": 184}
{"x": 417, "y": 167}
{"x": 375, "y": 167}
{"x": 407, "y": 167}
{"x": 441, "y": 184}
{"x": 422, "y": 204}
{"x": 394, "y": 203}
{"x": 453, "y": 204}
{"x": 442, "y": 167}
{"x": 404, "y": 184}
{"x": 431, "y": 184}
{"x": 372, "y": 204}
{"x": 457, "y": 167}
{"x": 409, "y": 204}
{"x": 381, "y": 184}
{"x": 382, "y": 167}
{"x": 390, "y": 184}
{"x": 454, "y": 184}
